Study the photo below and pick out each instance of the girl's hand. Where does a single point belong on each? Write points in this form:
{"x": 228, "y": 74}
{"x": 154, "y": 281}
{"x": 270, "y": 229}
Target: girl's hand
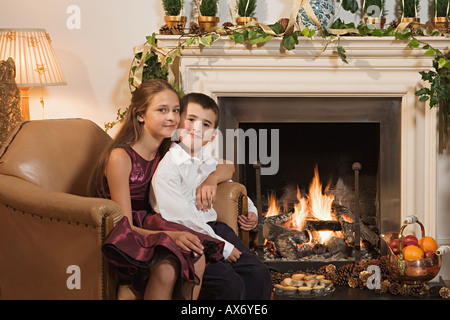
{"x": 186, "y": 241}
{"x": 234, "y": 255}
{"x": 248, "y": 222}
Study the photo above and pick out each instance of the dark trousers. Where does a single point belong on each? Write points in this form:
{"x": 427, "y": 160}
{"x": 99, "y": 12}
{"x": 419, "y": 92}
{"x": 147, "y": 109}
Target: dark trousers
{"x": 246, "y": 279}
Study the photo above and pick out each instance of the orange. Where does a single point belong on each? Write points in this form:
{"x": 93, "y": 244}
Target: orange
{"x": 412, "y": 253}
{"x": 428, "y": 243}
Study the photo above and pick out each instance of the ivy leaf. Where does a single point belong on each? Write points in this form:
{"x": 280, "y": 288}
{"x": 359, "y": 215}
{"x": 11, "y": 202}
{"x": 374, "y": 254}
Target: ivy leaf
{"x": 434, "y": 101}
{"x": 276, "y": 27}
{"x": 308, "y": 33}
{"x": 209, "y": 39}
{"x": 260, "y": 39}
{"x": 337, "y": 24}
{"x": 378, "y": 33}
{"x": 422, "y": 91}
{"x": 191, "y": 41}
{"x": 414, "y": 43}
{"x": 427, "y": 76}
{"x": 342, "y": 54}
{"x": 169, "y": 60}
{"x": 443, "y": 63}
{"x": 430, "y": 52}
{"x": 152, "y": 39}
{"x": 177, "y": 53}
{"x": 289, "y": 42}
{"x": 350, "y": 5}
{"x": 240, "y": 36}
{"x": 325, "y": 32}
{"x": 390, "y": 31}
{"x": 406, "y": 34}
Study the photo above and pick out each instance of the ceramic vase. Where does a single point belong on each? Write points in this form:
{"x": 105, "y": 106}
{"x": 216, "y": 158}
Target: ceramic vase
{"x": 325, "y": 11}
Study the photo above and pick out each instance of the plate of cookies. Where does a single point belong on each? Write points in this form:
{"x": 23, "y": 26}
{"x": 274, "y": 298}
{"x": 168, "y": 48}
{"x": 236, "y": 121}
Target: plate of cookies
{"x": 304, "y": 285}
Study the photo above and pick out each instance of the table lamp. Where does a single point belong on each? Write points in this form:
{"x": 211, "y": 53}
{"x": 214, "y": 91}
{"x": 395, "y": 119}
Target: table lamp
{"x": 36, "y": 62}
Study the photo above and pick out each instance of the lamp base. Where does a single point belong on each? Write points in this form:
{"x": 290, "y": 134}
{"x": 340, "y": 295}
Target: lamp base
{"x": 24, "y": 95}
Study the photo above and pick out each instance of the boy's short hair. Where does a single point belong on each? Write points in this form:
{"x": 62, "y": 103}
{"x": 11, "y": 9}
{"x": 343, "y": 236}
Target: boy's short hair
{"x": 202, "y": 99}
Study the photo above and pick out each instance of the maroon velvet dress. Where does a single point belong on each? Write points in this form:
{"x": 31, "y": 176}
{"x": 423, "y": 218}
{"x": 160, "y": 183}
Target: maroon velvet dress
{"x": 134, "y": 253}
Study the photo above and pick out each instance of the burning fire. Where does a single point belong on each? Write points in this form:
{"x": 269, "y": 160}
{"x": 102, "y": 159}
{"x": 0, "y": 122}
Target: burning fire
{"x": 316, "y": 206}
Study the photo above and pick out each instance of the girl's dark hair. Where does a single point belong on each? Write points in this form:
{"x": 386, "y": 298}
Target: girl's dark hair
{"x": 202, "y": 99}
{"x": 130, "y": 132}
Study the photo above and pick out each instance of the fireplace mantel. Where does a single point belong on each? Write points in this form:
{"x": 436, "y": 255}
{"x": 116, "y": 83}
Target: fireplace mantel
{"x": 377, "y": 67}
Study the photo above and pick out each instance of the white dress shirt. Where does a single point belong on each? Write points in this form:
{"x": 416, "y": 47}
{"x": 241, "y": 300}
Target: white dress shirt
{"x": 173, "y": 190}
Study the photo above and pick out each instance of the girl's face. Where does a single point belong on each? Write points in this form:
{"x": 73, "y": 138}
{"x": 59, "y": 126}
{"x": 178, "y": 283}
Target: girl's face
{"x": 162, "y": 115}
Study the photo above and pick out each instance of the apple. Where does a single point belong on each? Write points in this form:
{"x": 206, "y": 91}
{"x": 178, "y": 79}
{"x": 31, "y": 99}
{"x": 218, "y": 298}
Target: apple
{"x": 394, "y": 246}
{"x": 429, "y": 253}
{"x": 410, "y": 240}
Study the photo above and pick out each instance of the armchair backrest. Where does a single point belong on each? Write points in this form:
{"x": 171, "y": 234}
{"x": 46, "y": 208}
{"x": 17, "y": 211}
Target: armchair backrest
{"x": 56, "y": 154}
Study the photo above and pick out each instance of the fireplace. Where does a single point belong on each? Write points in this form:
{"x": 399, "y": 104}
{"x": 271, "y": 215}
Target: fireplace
{"x": 265, "y": 86}
{"x": 319, "y": 139}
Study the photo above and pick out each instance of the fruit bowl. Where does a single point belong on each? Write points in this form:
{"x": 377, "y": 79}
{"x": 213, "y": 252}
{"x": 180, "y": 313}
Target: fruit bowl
{"x": 412, "y": 272}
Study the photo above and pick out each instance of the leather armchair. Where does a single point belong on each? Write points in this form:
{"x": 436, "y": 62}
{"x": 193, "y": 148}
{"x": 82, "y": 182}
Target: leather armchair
{"x": 47, "y": 221}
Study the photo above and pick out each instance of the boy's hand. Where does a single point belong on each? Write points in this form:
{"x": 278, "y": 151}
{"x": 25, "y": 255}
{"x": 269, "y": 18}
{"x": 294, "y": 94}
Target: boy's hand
{"x": 206, "y": 194}
{"x": 234, "y": 255}
{"x": 247, "y": 222}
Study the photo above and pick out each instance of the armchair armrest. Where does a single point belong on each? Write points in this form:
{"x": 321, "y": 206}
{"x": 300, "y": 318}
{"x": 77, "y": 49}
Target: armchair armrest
{"x": 24, "y": 196}
{"x": 231, "y": 201}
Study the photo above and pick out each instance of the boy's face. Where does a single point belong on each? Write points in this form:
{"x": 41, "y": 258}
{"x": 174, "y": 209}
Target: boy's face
{"x": 197, "y": 126}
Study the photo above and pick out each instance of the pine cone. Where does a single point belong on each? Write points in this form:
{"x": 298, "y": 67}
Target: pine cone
{"x": 343, "y": 274}
{"x": 394, "y": 23}
{"x": 276, "y": 276}
{"x": 395, "y": 288}
{"x": 322, "y": 270}
{"x": 444, "y": 292}
{"x": 164, "y": 30}
{"x": 333, "y": 277}
{"x": 331, "y": 268}
{"x": 284, "y": 23}
{"x": 194, "y": 28}
{"x": 363, "y": 276}
{"x": 416, "y": 291}
{"x": 404, "y": 291}
{"x": 178, "y": 28}
{"x": 353, "y": 282}
{"x": 384, "y": 266}
{"x": 385, "y": 284}
{"x": 363, "y": 263}
{"x": 227, "y": 25}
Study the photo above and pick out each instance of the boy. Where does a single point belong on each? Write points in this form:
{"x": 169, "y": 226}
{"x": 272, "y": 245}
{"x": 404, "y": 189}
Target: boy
{"x": 173, "y": 194}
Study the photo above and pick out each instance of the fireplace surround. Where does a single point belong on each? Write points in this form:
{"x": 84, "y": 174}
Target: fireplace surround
{"x": 379, "y": 69}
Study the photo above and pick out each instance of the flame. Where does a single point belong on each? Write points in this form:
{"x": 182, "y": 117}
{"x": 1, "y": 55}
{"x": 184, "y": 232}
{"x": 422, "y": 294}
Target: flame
{"x": 300, "y": 212}
{"x": 274, "y": 208}
{"x": 316, "y": 206}
{"x": 320, "y": 203}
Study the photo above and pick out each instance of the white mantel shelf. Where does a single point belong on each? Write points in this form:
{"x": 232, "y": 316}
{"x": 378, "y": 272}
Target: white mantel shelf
{"x": 356, "y": 47}
{"x": 377, "y": 67}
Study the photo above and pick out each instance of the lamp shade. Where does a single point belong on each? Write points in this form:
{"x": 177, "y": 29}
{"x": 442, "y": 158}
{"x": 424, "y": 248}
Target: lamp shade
{"x": 36, "y": 62}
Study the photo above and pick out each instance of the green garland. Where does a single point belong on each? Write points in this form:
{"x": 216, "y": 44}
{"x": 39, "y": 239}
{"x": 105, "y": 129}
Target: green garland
{"x": 157, "y": 65}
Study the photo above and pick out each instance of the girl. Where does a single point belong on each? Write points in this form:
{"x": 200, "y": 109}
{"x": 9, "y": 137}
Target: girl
{"x": 162, "y": 260}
